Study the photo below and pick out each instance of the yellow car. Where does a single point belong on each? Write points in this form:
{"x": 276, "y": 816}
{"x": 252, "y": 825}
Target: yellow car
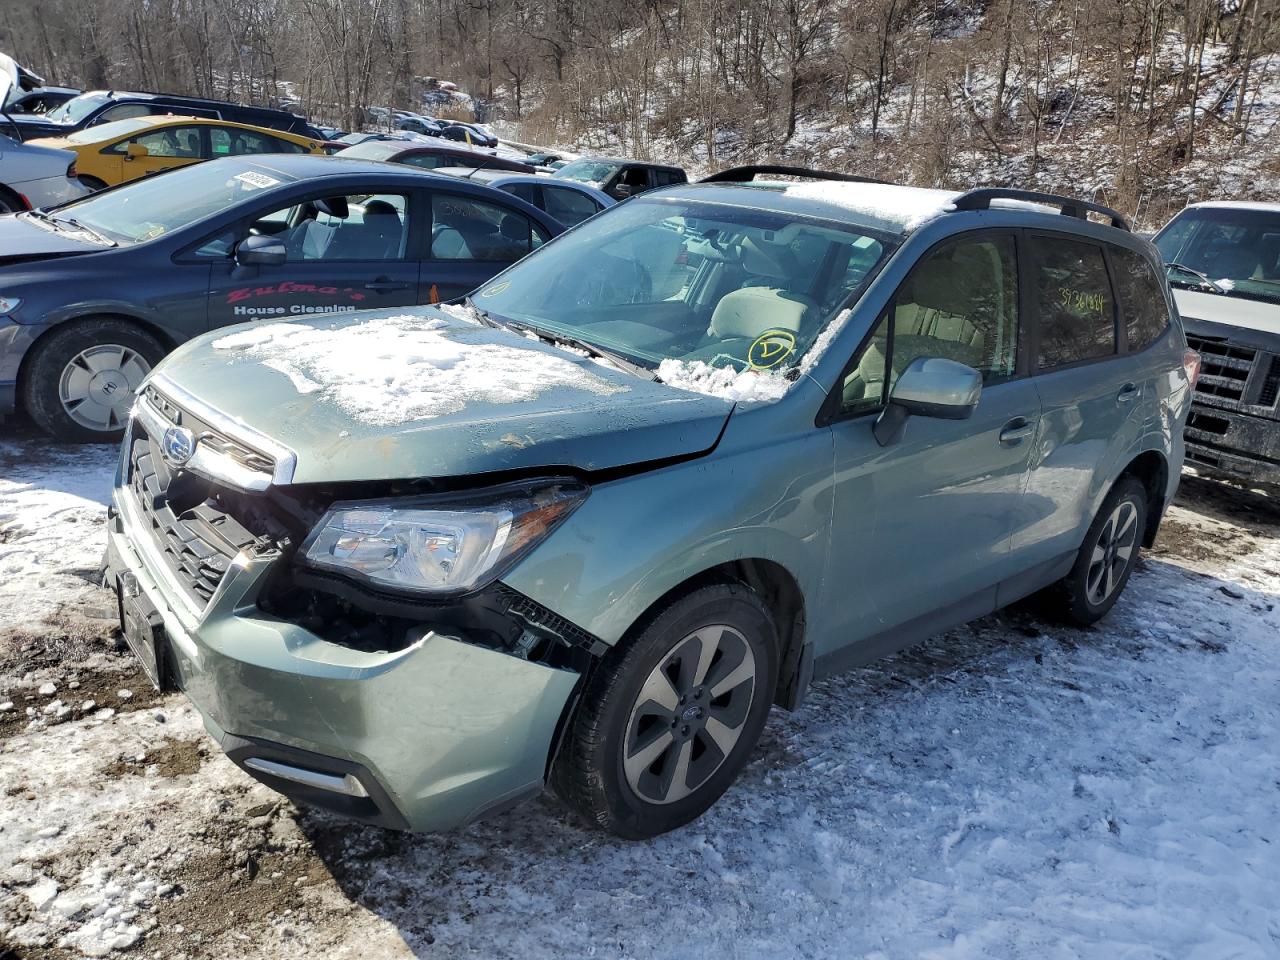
{"x": 138, "y": 147}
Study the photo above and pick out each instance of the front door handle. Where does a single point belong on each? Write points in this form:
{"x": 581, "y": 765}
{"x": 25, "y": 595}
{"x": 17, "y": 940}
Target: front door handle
{"x": 1016, "y": 430}
{"x": 382, "y": 285}
{"x": 1128, "y": 393}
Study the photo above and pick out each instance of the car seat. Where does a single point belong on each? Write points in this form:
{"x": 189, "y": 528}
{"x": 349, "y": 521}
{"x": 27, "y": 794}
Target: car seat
{"x": 376, "y": 237}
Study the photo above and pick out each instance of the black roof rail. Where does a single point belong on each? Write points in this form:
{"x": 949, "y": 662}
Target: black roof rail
{"x": 748, "y": 173}
{"x": 981, "y": 200}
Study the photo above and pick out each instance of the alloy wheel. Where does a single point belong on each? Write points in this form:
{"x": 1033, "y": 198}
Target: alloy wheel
{"x": 689, "y": 714}
{"x": 96, "y": 387}
{"x": 1112, "y": 553}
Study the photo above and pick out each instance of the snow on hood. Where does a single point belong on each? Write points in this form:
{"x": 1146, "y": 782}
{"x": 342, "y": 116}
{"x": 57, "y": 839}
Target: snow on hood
{"x": 726, "y": 383}
{"x": 397, "y": 369}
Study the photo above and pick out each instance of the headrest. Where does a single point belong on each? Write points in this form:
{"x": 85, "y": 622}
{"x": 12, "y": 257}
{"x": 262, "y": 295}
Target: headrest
{"x": 751, "y": 311}
{"x": 335, "y": 207}
{"x": 380, "y": 208}
{"x": 515, "y": 228}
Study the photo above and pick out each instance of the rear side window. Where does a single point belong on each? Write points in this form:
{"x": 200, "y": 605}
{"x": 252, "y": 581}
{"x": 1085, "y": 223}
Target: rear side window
{"x": 466, "y": 229}
{"x": 567, "y": 205}
{"x": 1142, "y": 305}
{"x": 428, "y": 161}
{"x": 1073, "y": 302}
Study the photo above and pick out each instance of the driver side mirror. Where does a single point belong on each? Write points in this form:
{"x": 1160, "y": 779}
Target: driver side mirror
{"x": 621, "y": 191}
{"x": 261, "y": 251}
{"x": 929, "y": 387}
{"x": 135, "y": 151}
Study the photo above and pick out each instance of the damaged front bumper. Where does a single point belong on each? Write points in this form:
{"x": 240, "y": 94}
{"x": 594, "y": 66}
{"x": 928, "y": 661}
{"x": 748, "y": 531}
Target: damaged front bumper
{"x": 428, "y": 736}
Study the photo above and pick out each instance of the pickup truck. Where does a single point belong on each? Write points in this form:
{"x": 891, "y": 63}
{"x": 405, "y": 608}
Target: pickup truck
{"x": 1223, "y": 262}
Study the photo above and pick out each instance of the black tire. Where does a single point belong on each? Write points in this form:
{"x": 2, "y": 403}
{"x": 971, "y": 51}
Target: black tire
{"x": 590, "y": 773}
{"x": 1076, "y": 599}
{"x": 55, "y": 355}
{"x": 93, "y": 183}
{"x": 9, "y": 202}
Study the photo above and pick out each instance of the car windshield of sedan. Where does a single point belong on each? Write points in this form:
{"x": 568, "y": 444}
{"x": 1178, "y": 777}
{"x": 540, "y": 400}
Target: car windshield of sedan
{"x": 652, "y": 280}
{"x": 77, "y": 108}
{"x": 1224, "y": 250}
{"x": 150, "y": 208}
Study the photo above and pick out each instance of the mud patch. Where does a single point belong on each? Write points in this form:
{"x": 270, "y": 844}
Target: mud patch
{"x": 172, "y": 758}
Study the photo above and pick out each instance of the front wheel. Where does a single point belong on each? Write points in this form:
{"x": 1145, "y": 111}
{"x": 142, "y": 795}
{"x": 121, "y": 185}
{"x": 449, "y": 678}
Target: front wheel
{"x": 1107, "y": 556}
{"x": 669, "y": 718}
{"x": 79, "y": 383}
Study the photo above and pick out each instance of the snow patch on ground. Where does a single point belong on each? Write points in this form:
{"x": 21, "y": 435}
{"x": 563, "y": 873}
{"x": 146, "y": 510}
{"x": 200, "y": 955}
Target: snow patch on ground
{"x": 723, "y": 382}
{"x": 395, "y": 369}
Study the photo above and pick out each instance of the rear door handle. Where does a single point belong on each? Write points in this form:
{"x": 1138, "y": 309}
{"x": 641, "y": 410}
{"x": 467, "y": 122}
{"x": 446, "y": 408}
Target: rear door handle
{"x": 1016, "y": 430}
{"x": 382, "y": 284}
{"x": 1128, "y": 393}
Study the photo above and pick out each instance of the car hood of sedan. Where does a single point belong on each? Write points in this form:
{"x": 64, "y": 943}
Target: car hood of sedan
{"x": 24, "y": 241}
{"x": 430, "y": 392}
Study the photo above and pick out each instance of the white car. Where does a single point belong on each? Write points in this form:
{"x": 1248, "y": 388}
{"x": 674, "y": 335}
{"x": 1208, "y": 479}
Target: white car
{"x": 32, "y": 177}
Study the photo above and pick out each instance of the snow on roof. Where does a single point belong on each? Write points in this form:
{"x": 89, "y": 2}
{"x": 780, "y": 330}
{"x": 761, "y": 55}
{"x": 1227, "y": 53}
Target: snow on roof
{"x": 395, "y": 369}
{"x": 889, "y": 206}
{"x": 1239, "y": 205}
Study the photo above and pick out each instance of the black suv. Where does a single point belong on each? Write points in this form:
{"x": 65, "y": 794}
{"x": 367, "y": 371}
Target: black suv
{"x": 621, "y": 178}
{"x": 103, "y": 106}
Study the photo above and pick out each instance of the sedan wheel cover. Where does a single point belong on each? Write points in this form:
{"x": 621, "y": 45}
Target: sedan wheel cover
{"x": 689, "y": 714}
{"x": 1112, "y": 553}
{"x": 96, "y": 387}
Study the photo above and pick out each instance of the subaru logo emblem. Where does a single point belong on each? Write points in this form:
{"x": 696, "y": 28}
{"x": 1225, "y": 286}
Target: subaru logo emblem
{"x": 178, "y": 445}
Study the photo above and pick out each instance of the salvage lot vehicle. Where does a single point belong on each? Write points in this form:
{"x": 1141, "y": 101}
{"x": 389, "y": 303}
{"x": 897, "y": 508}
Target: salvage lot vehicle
{"x": 1223, "y": 260}
{"x": 620, "y": 178}
{"x": 428, "y": 156}
{"x": 130, "y": 149}
{"x": 412, "y": 567}
{"x": 568, "y": 202}
{"x": 94, "y": 293}
{"x": 107, "y": 106}
{"x": 33, "y": 176}
{"x": 41, "y": 99}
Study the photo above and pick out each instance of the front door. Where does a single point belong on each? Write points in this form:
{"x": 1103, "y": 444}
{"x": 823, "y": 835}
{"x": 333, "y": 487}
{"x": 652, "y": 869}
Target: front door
{"x": 345, "y": 253}
{"x": 921, "y": 528}
{"x": 158, "y": 150}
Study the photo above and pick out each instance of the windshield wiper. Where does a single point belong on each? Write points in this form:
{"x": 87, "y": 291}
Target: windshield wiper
{"x": 1202, "y": 277}
{"x": 591, "y": 349}
{"x": 77, "y": 225}
{"x": 487, "y": 320}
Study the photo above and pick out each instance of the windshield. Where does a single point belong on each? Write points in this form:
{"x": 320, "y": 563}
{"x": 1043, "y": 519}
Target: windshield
{"x": 587, "y": 171}
{"x": 77, "y": 108}
{"x": 1235, "y": 249}
{"x": 152, "y": 207}
{"x": 111, "y": 131}
{"x": 658, "y": 279}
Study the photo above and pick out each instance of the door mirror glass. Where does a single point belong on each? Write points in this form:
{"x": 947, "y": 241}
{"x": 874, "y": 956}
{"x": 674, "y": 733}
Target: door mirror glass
{"x": 261, "y": 252}
{"x": 929, "y": 387}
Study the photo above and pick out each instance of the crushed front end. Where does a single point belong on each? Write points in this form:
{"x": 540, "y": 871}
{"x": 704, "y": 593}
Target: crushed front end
{"x": 409, "y": 713}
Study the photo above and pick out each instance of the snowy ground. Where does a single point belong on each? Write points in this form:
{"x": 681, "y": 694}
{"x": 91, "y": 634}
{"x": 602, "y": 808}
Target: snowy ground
{"x": 1011, "y": 789}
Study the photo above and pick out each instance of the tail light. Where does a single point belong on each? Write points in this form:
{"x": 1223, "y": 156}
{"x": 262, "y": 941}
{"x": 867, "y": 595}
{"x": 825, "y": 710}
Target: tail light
{"x": 71, "y": 171}
{"x": 1191, "y": 365}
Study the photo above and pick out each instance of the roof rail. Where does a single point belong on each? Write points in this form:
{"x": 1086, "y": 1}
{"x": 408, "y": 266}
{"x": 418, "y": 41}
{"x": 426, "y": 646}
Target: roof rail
{"x": 748, "y": 173}
{"x": 1071, "y": 207}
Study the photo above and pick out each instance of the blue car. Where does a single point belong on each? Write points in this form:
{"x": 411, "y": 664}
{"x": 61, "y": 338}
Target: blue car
{"x": 95, "y": 292}
{"x": 567, "y": 201}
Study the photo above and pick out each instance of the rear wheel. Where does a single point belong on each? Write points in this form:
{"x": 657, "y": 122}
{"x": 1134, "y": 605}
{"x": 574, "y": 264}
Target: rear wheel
{"x": 668, "y": 720}
{"x": 79, "y": 383}
{"x": 1107, "y": 556}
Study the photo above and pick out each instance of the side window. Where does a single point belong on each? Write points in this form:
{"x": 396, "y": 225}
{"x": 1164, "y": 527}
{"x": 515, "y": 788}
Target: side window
{"x": 427, "y": 161}
{"x": 959, "y": 302}
{"x": 1073, "y": 299}
{"x": 637, "y": 178}
{"x": 568, "y": 206}
{"x": 463, "y": 228}
{"x": 357, "y": 227}
{"x": 528, "y": 192}
{"x": 284, "y": 146}
{"x": 181, "y": 142}
{"x": 1142, "y": 304}
{"x": 123, "y": 111}
{"x": 217, "y": 247}
{"x": 228, "y": 141}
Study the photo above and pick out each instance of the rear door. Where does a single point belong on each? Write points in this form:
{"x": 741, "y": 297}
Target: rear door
{"x": 1091, "y": 393}
{"x": 471, "y": 240}
{"x": 355, "y": 250}
{"x": 923, "y": 525}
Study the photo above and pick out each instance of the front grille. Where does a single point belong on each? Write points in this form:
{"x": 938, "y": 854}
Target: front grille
{"x": 1270, "y": 385}
{"x": 209, "y": 436}
{"x": 1225, "y": 367}
{"x": 1208, "y": 423}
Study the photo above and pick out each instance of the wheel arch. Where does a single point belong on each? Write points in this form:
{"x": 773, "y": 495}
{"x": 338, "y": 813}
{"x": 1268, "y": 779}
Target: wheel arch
{"x": 1151, "y": 469}
{"x": 9, "y": 193}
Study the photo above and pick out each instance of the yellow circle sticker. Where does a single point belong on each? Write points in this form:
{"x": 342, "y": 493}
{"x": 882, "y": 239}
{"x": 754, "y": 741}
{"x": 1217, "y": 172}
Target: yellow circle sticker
{"x": 771, "y": 348}
{"x": 496, "y": 289}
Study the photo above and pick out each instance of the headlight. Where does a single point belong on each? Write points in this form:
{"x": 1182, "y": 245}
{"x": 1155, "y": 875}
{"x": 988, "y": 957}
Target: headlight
{"x": 9, "y": 304}
{"x": 440, "y": 545}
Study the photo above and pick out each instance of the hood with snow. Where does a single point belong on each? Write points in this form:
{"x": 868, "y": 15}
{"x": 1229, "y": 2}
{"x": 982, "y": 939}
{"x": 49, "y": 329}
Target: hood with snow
{"x": 389, "y": 394}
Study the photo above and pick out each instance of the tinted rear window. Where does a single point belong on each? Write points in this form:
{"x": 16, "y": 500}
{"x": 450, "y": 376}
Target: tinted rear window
{"x": 1073, "y": 301}
{"x": 1142, "y": 305}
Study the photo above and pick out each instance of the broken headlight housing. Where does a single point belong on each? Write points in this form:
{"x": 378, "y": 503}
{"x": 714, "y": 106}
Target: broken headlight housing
{"x": 442, "y": 545}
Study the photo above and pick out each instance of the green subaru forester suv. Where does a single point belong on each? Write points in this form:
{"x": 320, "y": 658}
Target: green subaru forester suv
{"x": 586, "y": 528}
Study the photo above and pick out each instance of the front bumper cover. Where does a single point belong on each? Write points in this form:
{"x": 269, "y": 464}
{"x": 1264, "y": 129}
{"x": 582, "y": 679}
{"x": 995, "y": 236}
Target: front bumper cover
{"x": 1233, "y": 444}
{"x": 436, "y": 734}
